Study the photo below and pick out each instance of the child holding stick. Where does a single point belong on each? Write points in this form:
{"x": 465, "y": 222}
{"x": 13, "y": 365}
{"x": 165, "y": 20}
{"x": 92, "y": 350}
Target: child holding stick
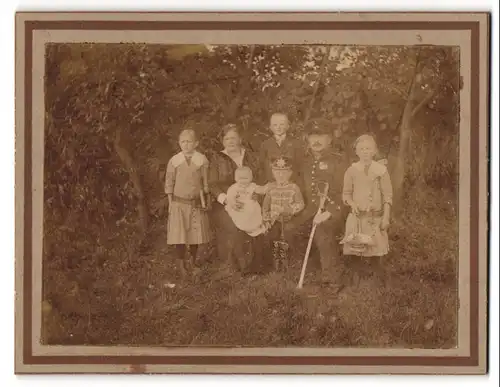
{"x": 186, "y": 183}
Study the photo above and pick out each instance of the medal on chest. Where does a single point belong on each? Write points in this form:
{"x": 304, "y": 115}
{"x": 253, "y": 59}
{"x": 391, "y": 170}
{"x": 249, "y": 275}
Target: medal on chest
{"x": 322, "y": 165}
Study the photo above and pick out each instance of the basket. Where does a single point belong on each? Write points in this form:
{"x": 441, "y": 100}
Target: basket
{"x": 358, "y": 242}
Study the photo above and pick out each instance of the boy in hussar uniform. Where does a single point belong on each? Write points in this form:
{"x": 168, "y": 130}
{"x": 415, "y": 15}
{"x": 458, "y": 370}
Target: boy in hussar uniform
{"x": 283, "y": 201}
{"x": 280, "y": 145}
{"x": 321, "y": 166}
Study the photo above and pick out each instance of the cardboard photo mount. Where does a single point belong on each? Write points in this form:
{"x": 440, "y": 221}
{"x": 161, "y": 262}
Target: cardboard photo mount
{"x": 470, "y": 31}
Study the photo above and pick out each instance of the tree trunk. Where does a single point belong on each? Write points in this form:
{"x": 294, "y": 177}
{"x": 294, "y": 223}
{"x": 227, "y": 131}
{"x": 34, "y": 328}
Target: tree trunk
{"x": 404, "y": 140}
{"x": 231, "y": 106}
{"x": 129, "y": 164}
{"x": 322, "y": 71}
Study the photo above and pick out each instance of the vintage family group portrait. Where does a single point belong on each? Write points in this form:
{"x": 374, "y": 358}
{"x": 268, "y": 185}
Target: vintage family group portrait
{"x": 234, "y": 196}
{"x": 321, "y": 186}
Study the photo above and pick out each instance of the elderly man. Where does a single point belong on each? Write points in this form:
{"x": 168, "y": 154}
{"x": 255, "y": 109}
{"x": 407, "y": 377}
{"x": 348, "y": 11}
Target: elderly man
{"x": 321, "y": 165}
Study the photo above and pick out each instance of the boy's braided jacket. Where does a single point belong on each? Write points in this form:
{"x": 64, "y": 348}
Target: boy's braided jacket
{"x": 287, "y": 198}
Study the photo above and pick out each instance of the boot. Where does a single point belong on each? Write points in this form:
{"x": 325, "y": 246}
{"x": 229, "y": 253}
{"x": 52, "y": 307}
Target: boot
{"x": 191, "y": 268}
{"x": 379, "y": 273}
{"x": 355, "y": 280}
{"x": 182, "y": 269}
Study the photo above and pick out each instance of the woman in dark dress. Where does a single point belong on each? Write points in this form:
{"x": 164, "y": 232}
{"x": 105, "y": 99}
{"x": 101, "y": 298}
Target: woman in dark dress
{"x": 235, "y": 248}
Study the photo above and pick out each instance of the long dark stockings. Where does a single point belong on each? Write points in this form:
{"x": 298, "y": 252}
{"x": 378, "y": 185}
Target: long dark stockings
{"x": 181, "y": 250}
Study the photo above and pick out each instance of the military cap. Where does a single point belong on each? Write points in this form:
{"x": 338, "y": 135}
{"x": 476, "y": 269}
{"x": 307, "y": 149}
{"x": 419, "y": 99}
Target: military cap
{"x": 281, "y": 163}
{"x": 318, "y": 126}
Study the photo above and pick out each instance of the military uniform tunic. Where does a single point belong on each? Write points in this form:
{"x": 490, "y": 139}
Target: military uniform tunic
{"x": 327, "y": 168}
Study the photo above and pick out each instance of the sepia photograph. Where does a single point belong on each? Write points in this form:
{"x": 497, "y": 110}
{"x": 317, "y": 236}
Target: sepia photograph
{"x": 253, "y": 195}
{"x": 183, "y": 184}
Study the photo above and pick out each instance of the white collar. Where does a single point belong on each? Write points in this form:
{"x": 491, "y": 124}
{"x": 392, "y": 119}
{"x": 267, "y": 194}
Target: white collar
{"x": 197, "y": 159}
{"x": 375, "y": 168}
{"x": 249, "y": 187}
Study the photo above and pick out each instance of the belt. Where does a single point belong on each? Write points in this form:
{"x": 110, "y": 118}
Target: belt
{"x": 371, "y": 213}
{"x": 194, "y": 202}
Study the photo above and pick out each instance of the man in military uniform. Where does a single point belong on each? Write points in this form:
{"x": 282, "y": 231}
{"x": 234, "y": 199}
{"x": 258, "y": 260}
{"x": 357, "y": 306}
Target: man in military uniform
{"x": 321, "y": 165}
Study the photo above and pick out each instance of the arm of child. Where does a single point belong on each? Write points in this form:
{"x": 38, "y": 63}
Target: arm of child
{"x": 386, "y": 188}
{"x": 266, "y": 208}
{"x": 348, "y": 189}
{"x": 204, "y": 174}
{"x": 170, "y": 181}
{"x": 298, "y": 200}
{"x": 261, "y": 189}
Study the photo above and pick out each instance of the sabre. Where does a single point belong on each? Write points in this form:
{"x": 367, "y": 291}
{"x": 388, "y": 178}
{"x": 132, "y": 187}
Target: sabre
{"x": 323, "y": 196}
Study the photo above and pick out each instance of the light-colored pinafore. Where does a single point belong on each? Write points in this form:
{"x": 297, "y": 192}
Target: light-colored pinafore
{"x": 187, "y": 223}
{"x": 370, "y": 188}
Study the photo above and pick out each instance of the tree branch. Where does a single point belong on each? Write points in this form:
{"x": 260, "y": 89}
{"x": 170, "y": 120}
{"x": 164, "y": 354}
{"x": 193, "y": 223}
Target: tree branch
{"x": 128, "y": 162}
{"x": 402, "y": 93}
{"x": 322, "y": 69}
{"x": 227, "y": 102}
{"x": 422, "y": 103}
{"x": 234, "y": 104}
{"x": 410, "y": 91}
{"x": 250, "y": 58}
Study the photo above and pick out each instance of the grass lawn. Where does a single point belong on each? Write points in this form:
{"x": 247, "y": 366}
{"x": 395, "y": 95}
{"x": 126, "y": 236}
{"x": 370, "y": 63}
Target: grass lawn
{"x": 102, "y": 293}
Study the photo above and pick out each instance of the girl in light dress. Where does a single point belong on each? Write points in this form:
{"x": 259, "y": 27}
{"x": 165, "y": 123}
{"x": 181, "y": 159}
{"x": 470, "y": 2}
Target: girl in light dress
{"x": 186, "y": 183}
{"x": 368, "y": 191}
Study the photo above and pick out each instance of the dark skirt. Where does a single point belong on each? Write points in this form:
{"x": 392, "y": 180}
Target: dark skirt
{"x": 234, "y": 247}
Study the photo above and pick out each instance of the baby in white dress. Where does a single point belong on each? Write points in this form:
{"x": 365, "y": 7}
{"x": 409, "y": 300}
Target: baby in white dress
{"x": 241, "y": 206}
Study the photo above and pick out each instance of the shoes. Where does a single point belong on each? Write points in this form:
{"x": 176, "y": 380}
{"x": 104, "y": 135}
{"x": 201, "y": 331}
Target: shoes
{"x": 223, "y": 272}
{"x": 182, "y": 268}
{"x": 356, "y": 279}
{"x": 334, "y": 288}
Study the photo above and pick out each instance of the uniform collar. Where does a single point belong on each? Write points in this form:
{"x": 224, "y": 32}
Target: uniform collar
{"x": 322, "y": 156}
{"x": 282, "y": 185}
{"x": 326, "y": 153}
